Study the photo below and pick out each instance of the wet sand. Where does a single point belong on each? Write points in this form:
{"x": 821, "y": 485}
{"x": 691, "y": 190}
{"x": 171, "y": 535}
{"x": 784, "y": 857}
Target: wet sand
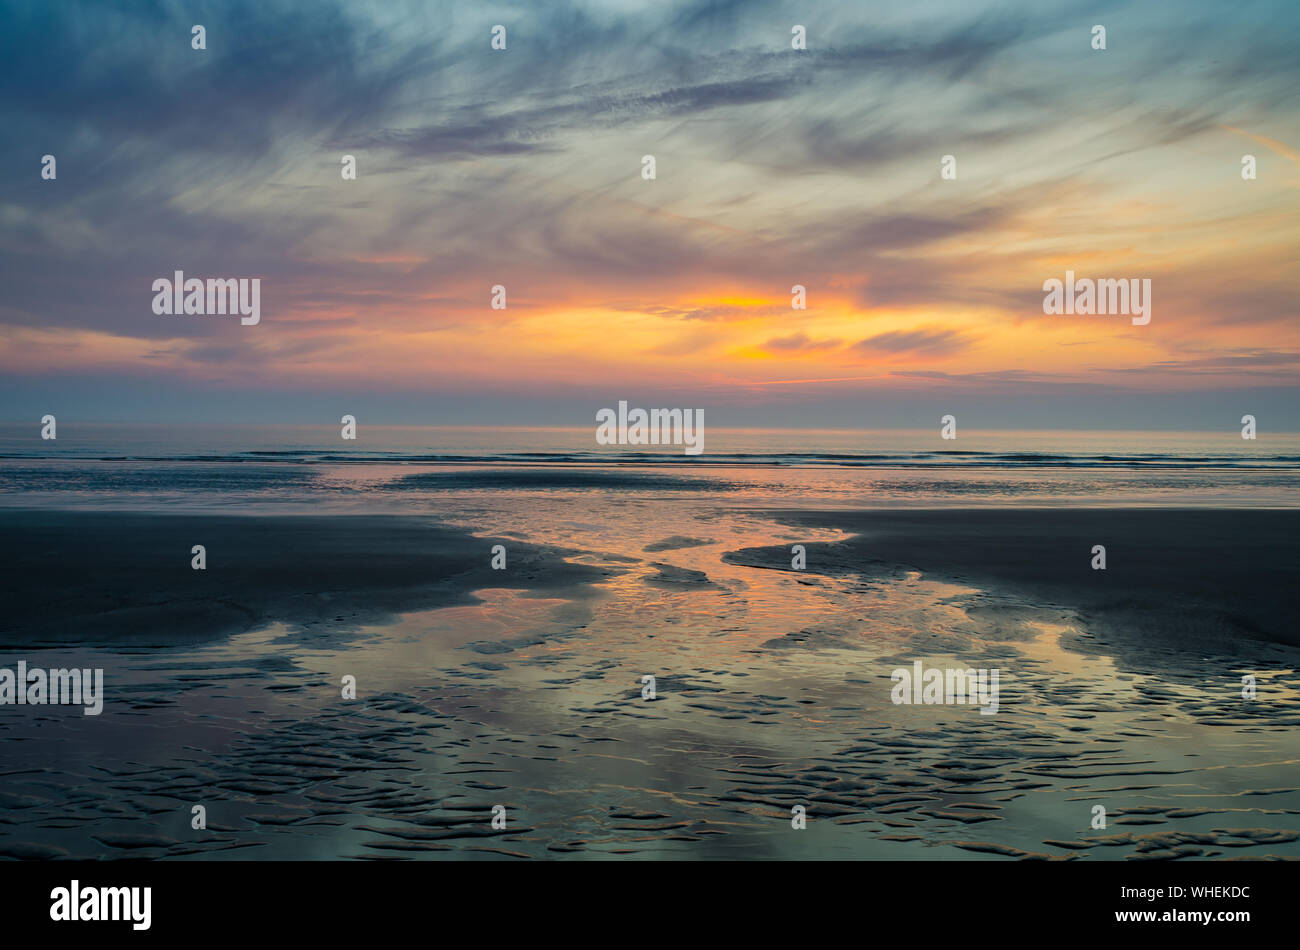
{"x": 523, "y": 688}
{"x": 1195, "y": 578}
{"x": 110, "y": 577}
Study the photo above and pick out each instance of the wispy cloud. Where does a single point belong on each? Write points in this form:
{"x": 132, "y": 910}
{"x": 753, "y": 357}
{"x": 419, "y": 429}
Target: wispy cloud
{"x": 776, "y": 167}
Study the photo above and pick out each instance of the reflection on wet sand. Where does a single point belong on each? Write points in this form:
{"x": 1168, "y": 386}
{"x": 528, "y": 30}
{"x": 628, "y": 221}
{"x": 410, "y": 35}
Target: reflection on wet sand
{"x": 772, "y": 690}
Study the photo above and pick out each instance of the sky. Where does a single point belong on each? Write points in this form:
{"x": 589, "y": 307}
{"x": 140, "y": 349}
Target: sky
{"x": 774, "y": 167}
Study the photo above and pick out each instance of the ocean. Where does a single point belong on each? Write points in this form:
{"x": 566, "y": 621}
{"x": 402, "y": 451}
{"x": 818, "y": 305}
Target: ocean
{"x": 249, "y": 466}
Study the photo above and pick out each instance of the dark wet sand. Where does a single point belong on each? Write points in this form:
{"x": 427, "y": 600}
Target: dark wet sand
{"x": 1193, "y": 578}
{"x": 97, "y": 577}
{"x": 534, "y": 701}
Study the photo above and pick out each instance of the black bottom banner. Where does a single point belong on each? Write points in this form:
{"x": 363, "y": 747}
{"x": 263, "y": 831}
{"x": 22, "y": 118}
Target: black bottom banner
{"x": 304, "y": 899}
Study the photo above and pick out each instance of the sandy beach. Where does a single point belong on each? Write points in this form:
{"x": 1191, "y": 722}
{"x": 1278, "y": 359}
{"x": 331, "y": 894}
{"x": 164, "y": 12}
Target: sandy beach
{"x": 524, "y": 688}
{"x": 1197, "y": 579}
{"x": 105, "y": 578}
